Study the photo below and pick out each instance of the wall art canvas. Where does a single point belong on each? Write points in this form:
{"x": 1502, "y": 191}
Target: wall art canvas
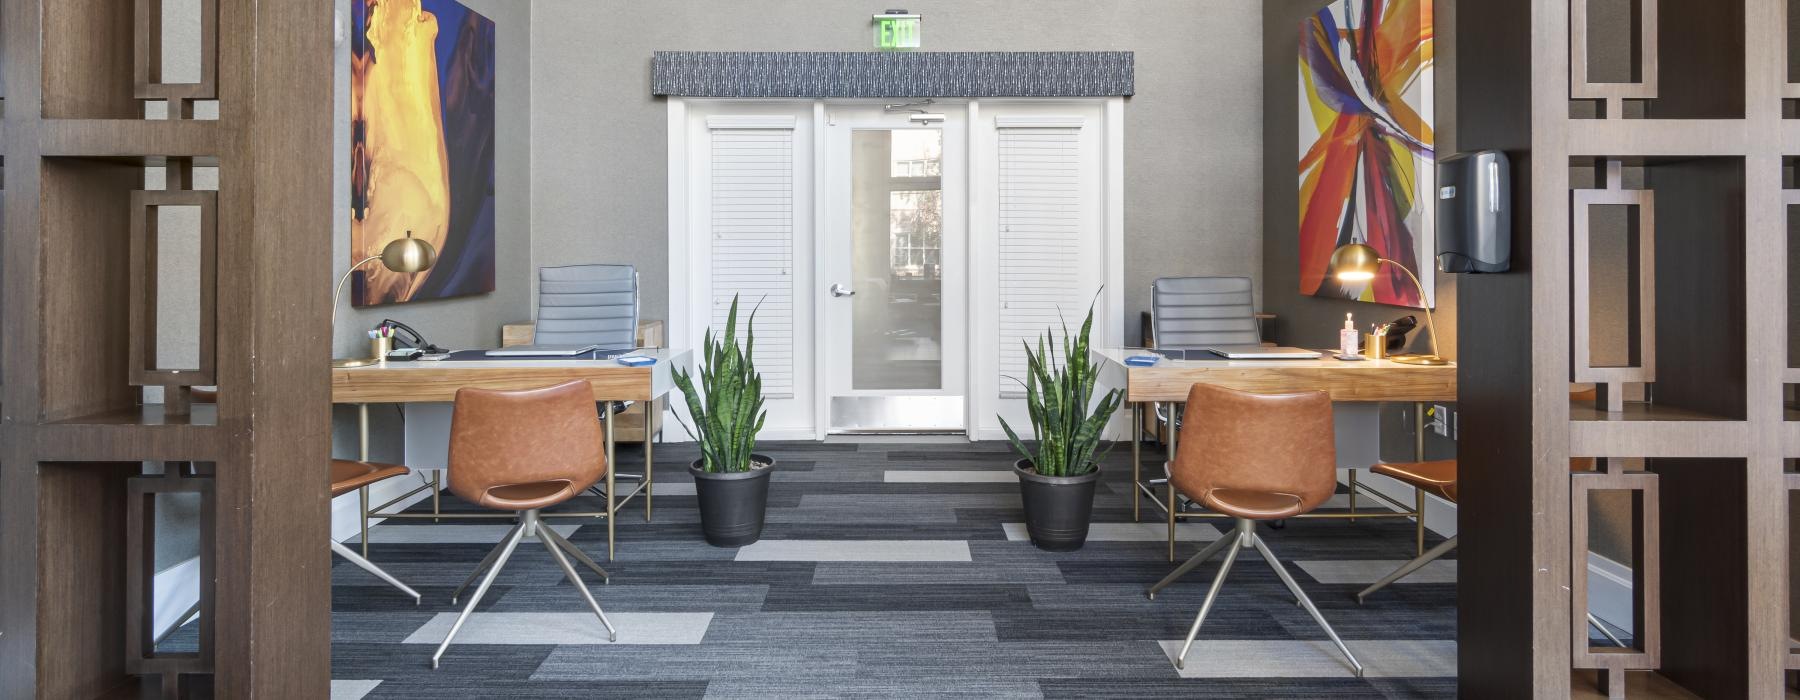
{"x": 1367, "y": 172}
{"x": 422, "y": 145}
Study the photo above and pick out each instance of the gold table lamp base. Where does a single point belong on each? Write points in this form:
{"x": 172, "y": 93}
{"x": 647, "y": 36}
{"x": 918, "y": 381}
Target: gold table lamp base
{"x": 358, "y": 362}
{"x": 1432, "y": 360}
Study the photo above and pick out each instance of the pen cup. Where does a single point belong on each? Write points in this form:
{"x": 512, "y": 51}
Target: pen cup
{"x": 1374, "y": 346}
{"x": 379, "y": 347}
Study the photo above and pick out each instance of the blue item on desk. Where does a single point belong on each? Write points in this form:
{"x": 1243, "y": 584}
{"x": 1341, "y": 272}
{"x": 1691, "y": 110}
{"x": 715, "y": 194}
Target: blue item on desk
{"x": 636, "y": 361}
{"x": 1142, "y": 360}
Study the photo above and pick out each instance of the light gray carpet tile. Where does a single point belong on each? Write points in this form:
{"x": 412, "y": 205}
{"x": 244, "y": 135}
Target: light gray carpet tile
{"x": 672, "y": 489}
{"x": 966, "y": 662}
{"x": 566, "y": 628}
{"x": 811, "y": 664}
{"x": 874, "y": 690}
{"x": 636, "y": 597}
{"x": 949, "y": 476}
{"x": 351, "y": 690}
{"x": 426, "y": 532}
{"x": 936, "y": 573}
{"x": 1367, "y": 571}
{"x": 1129, "y": 532}
{"x": 634, "y": 548}
{"x": 849, "y": 629}
{"x": 856, "y": 550}
{"x": 1314, "y": 658}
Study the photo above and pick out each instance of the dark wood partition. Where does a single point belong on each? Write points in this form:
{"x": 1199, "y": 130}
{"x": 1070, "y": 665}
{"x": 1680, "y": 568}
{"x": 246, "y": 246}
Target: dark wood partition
{"x": 1703, "y": 121}
{"x": 75, "y": 430}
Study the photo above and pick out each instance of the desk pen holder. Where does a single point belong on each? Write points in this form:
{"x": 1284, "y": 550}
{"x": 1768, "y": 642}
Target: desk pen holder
{"x": 1375, "y": 346}
{"x": 379, "y": 347}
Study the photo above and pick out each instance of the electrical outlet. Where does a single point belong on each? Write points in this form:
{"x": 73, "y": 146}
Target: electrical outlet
{"x": 1440, "y": 420}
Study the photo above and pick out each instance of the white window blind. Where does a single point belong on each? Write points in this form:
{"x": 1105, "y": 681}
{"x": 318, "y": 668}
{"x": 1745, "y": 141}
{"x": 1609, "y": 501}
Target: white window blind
{"x": 753, "y": 238}
{"x": 1041, "y": 243}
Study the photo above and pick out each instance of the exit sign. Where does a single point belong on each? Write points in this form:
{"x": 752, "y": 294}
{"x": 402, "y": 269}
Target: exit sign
{"x": 896, "y": 31}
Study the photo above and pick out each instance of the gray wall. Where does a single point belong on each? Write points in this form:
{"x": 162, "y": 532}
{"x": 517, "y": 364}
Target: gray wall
{"x": 1193, "y": 138}
{"x": 1307, "y": 320}
{"x": 461, "y": 322}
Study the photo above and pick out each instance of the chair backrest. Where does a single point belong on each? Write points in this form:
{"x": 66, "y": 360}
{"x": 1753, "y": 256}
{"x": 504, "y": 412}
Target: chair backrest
{"x": 1190, "y": 313}
{"x": 1272, "y": 443}
{"x": 503, "y": 438}
{"x": 581, "y": 304}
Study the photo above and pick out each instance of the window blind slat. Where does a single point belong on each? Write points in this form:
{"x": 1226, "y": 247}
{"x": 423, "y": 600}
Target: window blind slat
{"x": 753, "y": 243}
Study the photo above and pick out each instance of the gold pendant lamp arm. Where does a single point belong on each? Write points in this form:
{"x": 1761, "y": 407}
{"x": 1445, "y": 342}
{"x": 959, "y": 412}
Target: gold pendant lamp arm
{"x": 338, "y": 295}
{"x": 1425, "y": 304}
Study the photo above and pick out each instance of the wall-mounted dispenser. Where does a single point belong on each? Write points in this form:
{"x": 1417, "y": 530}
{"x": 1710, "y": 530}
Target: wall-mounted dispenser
{"x": 1474, "y": 212}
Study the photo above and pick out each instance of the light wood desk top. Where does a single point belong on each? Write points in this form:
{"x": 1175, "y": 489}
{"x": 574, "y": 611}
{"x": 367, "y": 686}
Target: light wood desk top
{"x": 408, "y": 382}
{"x": 1365, "y": 380}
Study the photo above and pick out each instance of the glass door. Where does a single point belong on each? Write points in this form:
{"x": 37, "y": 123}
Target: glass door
{"x": 892, "y": 268}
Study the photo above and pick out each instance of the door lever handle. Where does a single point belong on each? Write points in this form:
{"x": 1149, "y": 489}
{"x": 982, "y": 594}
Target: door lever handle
{"x": 839, "y": 290}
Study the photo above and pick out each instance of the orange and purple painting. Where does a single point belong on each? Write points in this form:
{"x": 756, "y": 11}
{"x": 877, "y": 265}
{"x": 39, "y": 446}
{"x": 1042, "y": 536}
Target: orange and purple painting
{"x": 1367, "y": 172}
{"x": 422, "y": 146}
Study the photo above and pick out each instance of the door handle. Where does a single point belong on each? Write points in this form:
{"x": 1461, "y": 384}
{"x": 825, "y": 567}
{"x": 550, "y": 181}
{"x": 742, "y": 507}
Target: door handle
{"x": 839, "y": 290}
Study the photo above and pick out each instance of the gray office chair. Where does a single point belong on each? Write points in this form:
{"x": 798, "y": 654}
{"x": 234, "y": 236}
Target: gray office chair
{"x": 583, "y": 304}
{"x": 580, "y": 304}
{"x": 1195, "y": 313}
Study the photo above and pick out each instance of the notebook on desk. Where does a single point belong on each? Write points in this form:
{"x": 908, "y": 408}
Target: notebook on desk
{"x": 1262, "y": 352}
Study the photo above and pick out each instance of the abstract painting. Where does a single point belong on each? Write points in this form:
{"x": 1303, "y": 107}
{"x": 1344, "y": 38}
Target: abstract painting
{"x": 422, "y": 146}
{"x": 1367, "y": 172}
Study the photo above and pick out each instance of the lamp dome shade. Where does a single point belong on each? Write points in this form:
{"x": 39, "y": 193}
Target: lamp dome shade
{"x": 408, "y": 255}
{"x": 1355, "y": 262}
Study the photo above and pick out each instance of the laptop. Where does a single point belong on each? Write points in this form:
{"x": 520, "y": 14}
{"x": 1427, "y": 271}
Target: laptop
{"x": 543, "y": 351}
{"x": 1261, "y": 352}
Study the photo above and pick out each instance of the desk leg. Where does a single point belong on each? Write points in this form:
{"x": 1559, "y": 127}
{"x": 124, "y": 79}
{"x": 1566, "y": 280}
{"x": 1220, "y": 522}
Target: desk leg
{"x": 362, "y": 454}
{"x": 1137, "y": 456}
{"x": 650, "y": 416}
{"x": 436, "y": 488}
{"x": 1419, "y": 456}
{"x": 611, "y": 469}
{"x": 1173, "y": 503}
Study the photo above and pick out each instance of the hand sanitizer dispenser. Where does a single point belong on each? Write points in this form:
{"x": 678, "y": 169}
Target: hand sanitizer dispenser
{"x": 1347, "y": 337}
{"x": 1474, "y": 212}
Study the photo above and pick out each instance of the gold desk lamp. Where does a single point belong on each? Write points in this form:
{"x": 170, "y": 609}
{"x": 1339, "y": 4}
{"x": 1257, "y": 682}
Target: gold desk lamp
{"x": 405, "y": 255}
{"x": 1357, "y": 262}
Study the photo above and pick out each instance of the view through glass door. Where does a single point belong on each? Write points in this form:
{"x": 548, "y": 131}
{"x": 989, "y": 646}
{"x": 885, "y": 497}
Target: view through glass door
{"x": 893, "y": 268}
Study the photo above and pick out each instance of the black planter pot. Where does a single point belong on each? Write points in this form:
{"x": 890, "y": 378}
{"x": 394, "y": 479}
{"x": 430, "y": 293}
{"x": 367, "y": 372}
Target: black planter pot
{"x": 1057, "y": 508}
{"x": 732, "y": 505}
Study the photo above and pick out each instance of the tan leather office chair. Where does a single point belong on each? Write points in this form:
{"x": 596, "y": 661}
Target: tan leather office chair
{"x": 1254, "y": 457}
{"x": 524, "y": 451}
{"x": 346, "y": 476}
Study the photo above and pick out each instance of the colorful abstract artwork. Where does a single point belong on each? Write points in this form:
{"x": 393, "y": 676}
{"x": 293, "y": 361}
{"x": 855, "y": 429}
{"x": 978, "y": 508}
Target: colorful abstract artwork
{"x": 422, "y": 146}
{"x": 1367, "y": 168}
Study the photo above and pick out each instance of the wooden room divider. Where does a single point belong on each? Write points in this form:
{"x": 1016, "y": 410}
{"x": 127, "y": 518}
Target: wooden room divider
{"x": 78, "y": 271}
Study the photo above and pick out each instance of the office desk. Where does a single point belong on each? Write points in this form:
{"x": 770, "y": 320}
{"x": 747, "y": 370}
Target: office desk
{"x": 1168, "y": 381}
{"x": 423, "y": 382}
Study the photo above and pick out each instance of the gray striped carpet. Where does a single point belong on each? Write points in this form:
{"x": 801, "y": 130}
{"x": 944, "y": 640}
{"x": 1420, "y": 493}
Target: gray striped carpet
{"x": 891, "y": 569}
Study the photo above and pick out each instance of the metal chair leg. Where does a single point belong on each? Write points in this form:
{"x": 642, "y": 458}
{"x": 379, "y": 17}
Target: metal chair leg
{"x": 506, "y": 550}
{"x": 545, "y": 532}
{"x": 485, "y": 562}
{"x": 351, "y": 556}
{"x": 550, "y": 545}
{"x": 1212, "y": 594}
{"x": 1604, "y": 632}
{"x": 1137, "y": 457}
{"x": 1305, "y": 602}
{"x": 1409, "y": 567}
{"x": 1205, "y": 554}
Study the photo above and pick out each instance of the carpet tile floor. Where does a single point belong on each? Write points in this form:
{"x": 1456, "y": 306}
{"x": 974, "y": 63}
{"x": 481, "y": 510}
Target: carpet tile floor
{"x": 891, "y": 570}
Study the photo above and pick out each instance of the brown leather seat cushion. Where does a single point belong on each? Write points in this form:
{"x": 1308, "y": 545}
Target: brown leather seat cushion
{"x": 1437, "y": 477}
{"x": 347, "y": 475}
{"x": 538, "y": 494}
{"x": 1255, "y": 505}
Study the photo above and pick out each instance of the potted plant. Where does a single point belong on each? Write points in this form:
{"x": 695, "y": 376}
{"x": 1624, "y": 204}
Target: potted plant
{"x": 1057, "y": 481}
{"x": 731, "y": 480}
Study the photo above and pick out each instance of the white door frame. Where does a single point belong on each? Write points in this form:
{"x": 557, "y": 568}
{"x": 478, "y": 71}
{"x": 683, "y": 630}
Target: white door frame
{"x": 842, "y": 117}
{"x": 690, "y": 270}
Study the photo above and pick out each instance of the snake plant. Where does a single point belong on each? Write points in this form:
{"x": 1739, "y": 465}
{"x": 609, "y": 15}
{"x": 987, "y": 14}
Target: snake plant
{"x": 1058, "y": 397}
{"x": 730, "y": 414}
